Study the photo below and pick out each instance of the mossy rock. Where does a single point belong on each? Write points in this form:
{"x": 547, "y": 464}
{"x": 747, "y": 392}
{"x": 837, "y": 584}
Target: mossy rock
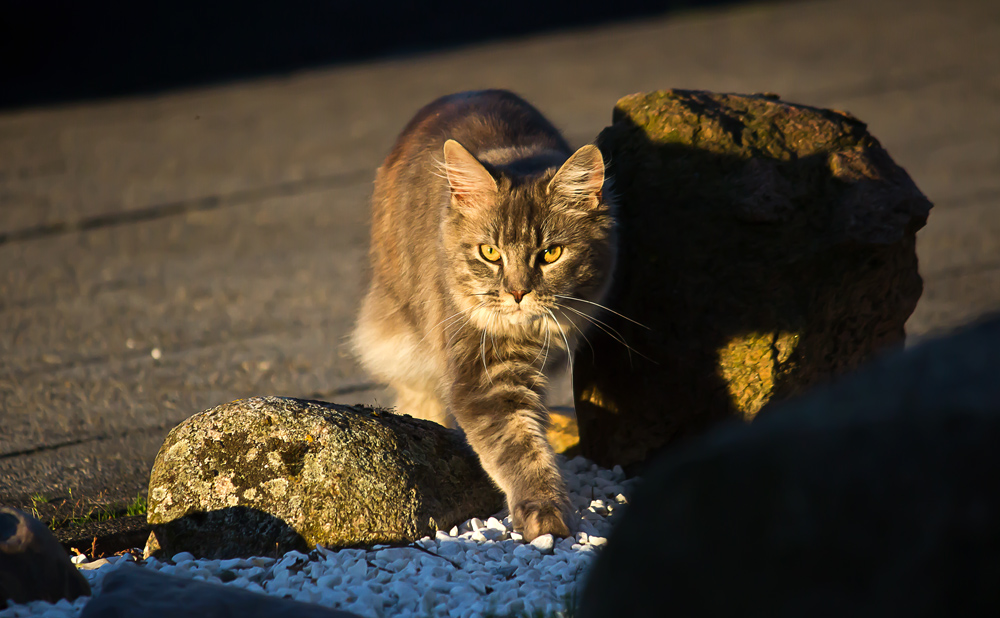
{"x": 270, "y": 474}
{"x": 765, "y": 247}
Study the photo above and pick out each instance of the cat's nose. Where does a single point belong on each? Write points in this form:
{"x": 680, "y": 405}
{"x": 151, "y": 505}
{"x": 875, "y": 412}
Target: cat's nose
{"x": 518, "y": 295}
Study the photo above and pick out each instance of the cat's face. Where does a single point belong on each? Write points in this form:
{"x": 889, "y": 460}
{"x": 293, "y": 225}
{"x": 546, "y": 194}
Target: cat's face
{"x": 529, "y": 254}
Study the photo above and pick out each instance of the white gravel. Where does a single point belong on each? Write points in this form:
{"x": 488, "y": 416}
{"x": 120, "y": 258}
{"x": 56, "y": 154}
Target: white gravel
{"x": 478, "y": 568}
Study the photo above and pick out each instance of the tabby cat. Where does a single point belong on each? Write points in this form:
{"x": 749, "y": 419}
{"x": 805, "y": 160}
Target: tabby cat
{"x": 492, "y": 242}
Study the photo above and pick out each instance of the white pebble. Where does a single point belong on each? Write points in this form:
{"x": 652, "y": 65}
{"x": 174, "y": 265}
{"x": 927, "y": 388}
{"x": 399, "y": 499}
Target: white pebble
{"x": 525, "y": 552}
{"x": 545, "y": 543}
{"x": 93, "y": 566}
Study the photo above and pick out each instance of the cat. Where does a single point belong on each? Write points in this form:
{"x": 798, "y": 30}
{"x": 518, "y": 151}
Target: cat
{"x": 492, "y": 245}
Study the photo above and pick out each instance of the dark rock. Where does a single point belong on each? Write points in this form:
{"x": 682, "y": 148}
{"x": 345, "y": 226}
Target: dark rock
{"x": 268, "y": 474}
{"x": 141, "y": 593}
{"x": 767, "y": 246}
{"x": 33, "y": 565}
{"x": 873, "y": 496}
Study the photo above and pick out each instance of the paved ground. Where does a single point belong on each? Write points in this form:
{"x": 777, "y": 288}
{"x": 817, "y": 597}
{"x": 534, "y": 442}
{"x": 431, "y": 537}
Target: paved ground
{"x": 162, "y": 255}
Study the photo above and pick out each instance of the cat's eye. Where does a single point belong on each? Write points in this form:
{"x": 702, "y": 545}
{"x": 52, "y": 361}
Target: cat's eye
{"x": 552, "y": 254}
{"x": 489, "y": 253}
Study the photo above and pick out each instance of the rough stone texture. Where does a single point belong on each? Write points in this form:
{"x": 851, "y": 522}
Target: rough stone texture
{"x": 766, "y": 246}
{"x": 270, "y": 474}
{"x": 33, "y": 565}
{"x": 132, "y": 592}
{"x": 872, "y": 496}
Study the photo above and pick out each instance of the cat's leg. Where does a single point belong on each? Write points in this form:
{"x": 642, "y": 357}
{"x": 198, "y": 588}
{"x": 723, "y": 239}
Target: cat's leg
{"x": 505, "y": 422}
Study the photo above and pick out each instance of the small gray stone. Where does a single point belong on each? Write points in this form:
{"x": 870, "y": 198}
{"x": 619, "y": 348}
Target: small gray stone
{"x": 33, "y": 565}
{"x": 270, "y": 474}
{"x": 131, "y": 592}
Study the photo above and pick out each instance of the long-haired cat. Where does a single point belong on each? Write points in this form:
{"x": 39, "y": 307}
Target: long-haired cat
{"x": 491, "y": 242}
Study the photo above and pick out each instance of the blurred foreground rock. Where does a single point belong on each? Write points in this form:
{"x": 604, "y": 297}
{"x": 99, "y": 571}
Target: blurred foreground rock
{"x": 874, "y": 496}
{"x": 133, "y": 592}
{"x": 33, "y": 565}
{"x": 768, "y": 246}
{"x": 268, "y": 474}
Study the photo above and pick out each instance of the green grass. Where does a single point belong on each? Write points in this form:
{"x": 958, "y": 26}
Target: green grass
{"x": 138, "y": 506}
{"x": 74, "y": 515}
{"x": 37, "y": 499}
{"x": 107, "y": 512}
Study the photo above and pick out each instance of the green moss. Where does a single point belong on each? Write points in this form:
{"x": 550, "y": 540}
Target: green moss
{"x": 311, "y": 473}
{"x": 751, "y": 365}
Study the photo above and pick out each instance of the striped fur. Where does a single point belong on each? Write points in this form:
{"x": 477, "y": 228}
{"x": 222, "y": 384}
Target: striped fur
{"x": 440, "y": 322}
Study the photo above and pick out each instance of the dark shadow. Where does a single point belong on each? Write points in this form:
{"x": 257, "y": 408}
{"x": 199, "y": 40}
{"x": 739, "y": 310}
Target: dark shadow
{"x": 743, "y": 252}
{"x": 105, "y": 538}
{"x": 232, "y": 532}
{"x": 63, "y": 50}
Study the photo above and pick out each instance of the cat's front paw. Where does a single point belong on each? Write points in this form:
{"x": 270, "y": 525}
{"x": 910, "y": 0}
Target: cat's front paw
{"x": 533, "y": 518}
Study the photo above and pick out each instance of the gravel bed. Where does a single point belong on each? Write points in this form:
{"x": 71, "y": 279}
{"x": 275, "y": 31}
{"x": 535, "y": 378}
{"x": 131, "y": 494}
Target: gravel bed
{"x": 479, "y": 568}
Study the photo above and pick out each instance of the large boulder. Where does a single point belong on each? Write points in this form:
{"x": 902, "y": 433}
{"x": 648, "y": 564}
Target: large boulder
{"x": 766, "y": 246}
{"x": 873, "y": 496}
{"x": 269, "y": 474}
{"x": 33, "y": 565}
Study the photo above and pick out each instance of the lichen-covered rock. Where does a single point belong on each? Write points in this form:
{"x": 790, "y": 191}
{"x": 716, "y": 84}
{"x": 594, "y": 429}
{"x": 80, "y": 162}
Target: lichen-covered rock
{"x": 765, "y": 245}
{"x": 33, "y": 565}
{"x": 270, "y": 474}
{"x": 874, "y": 495}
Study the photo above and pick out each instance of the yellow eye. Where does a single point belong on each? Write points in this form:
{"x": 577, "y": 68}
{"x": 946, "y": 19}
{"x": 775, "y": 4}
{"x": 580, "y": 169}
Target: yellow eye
{"x": 552, "y": 254}
{"x": 489, "y": 252}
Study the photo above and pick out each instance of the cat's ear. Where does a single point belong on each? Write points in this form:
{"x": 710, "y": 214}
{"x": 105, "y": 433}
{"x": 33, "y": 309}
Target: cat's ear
{"x": 470, "y": 182}
{"x": 581, "y": 177}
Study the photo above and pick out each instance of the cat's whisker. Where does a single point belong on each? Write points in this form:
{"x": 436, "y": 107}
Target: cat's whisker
{"x": 569, "y": 350}
{"x": 545, "y": 349}
{"x": 611, "y": 332}
{"x": 482, "y": 354}
{"x": 614, "y": 334}
{"x": 468, "y": 319}
{"x": 593, "y": 358}
{"x": 450, "y": 318}
{"x": 542, "y": 348}
{"x": 599, "y": 305}
{"x": 496, "y": 354}
{"x": 548, "y": 346}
